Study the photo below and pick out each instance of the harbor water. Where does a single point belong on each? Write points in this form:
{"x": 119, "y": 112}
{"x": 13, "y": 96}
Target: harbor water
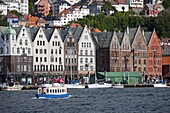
{"x": 112, "y": 100}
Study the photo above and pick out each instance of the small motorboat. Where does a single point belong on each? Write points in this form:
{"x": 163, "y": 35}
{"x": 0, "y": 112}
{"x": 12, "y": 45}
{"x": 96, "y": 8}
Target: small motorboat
{"x": 99, "y": 85}
{"x": 118, "y": 86}
{"x": 74, "y": 86}
{"x": 14, "y": 86}
{"x": 55, "y": 91}
{"x": 160, "y": 85}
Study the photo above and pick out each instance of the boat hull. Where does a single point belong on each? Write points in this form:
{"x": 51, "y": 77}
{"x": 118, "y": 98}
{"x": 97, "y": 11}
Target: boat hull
{"x": 74, "y": 86}
{"x": 100, "y": 85}
{"x": 12, "y": 88}
{"x": 160, "y": 85}
{"x": 118, "y": 86}
{"x": 52, "y": 96}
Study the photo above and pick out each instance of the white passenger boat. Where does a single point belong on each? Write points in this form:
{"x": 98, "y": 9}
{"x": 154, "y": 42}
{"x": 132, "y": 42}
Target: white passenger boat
{"x": 12, "y": 87}
{"x": 54, "y": 91}
{"x": 160, "y": 85}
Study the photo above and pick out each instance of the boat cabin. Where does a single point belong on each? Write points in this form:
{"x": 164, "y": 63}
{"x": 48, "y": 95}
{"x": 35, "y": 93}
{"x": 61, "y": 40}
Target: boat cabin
{"x": 52, "y": 90}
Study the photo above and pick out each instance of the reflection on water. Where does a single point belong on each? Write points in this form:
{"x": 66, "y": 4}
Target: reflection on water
{"x": 125, "y": 100}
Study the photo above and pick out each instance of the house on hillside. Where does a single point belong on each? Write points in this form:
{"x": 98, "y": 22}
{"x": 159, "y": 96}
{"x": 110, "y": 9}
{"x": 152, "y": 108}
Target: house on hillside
{"x": 121, "y": 5}
{"x": 152, "y": 9}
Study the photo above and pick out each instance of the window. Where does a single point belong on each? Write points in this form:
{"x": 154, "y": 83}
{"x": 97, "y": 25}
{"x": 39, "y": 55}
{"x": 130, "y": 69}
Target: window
{"x": 45, "y": 59}
{"x": 40, "y": 36}
{"x": 60, "y": 51}
{"x": 51, "y": 51}
{"x": 18, "y": 68}
{"x": 86, "y": 52}
{"x": 18, "y": 51}
{"x": 86, "y": 60}
{"x": 81, "y": 68}
{"x": 45, "y": 51}
{"x": 41, "y": 51}
{"x": 91, "y": 60}
{"x": 29, "y": 50}
{"x": 38, "y": 43}
{"x": 81, "y": 60}
{"x": 36, "y": 51}
{"x": 26, "y": 42}
{"x": 18, "y": 59}
{"x": 23, "y": 50}
{"x": 58, "y": 43}
{"x": 81, "y": 52}
{"x": 91, "y": 52}
{"x": 29, "y": 59}
{"x": 20, "y": 41}
{"x": 36, "y": 59}
{"x": 86, "y": 37}
{"x": 52, "y": 59}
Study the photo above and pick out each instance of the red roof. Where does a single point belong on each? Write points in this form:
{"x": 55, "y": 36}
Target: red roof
{"x": 11, "y": 15}
{"x": 74, "y": 25}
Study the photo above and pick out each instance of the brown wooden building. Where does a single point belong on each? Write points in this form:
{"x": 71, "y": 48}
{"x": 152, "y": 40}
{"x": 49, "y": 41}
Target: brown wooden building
{"x": 154, "y": 56}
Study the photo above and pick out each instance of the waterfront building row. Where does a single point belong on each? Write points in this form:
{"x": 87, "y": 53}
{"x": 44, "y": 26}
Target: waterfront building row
{"x": 32, "y": 54}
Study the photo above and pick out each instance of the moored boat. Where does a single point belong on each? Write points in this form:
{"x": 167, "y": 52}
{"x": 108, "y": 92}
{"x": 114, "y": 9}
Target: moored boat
{"x": 160, "y": 85}
{"x": 54, "y": 91}
{"x": 12, "y": 87}
{"x": 99, "y": 85}
{"x": 74, "y": 86}
{"x": 118, "y": 86}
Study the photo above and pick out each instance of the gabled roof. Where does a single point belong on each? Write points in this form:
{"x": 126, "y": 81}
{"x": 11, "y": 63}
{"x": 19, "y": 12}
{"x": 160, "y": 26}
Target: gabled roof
{"x": 132, "y": 33}
{"x": 76, "y": 32}
{"x": 33, "y": 32}
{"x": 148, "y": 36}
{"x": 11, "y": 15}
{"x": 48, "y": 33}
{"x": 2, "y": 3}
{"x": 17, "y": 29}
{"x": 120, "y": 37}
{"x": 41, "y": 20}
{"x": 103, "y": 38}
{"x": 74, "y": 25}
{"x": 63, "y": 34}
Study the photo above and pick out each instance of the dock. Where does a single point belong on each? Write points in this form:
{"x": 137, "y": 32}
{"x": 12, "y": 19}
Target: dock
{"x": 138, "y": 85}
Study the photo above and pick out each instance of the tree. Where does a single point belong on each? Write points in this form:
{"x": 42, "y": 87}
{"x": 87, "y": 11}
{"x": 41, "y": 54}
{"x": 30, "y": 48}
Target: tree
{"x": 166, "y": 4}
{"x": 162, "y": 24}
{"x": 107, "y": 7}
{"x": 31, "y": 6}
{"x": 16, "y": 13}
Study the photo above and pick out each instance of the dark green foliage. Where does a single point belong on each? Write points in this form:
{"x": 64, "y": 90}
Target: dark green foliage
{"x": 120, "y": 20}
{"x": 166, "y": 4}
{"x": 2, "y": 21}
{"x": 16, "y": 13}
{"x": 162, "y": 24}
{"x": 31, "y": 6}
